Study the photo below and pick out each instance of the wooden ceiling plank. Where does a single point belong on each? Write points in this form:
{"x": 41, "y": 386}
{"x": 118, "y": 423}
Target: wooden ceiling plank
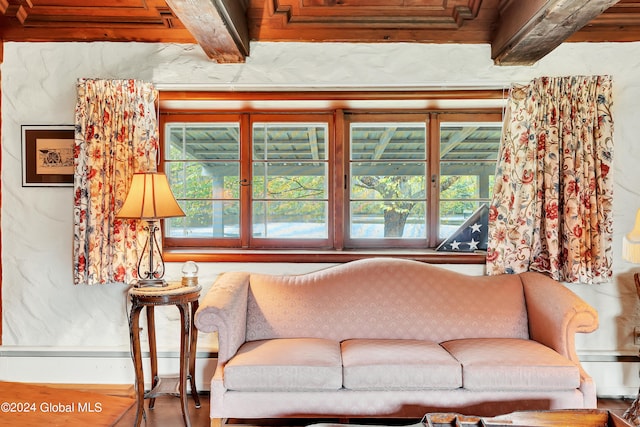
{"x": 106, "y": 14}
{"x": 10, "y": 7}
{"x": 603, "y": 34}
{"x": 393, "y": 13}
{"x": 527, "y": 31}
{"x": 217, "y": 27}
{"x": 228, "y": 25}
{"x": 77, "y": 33}
{"x": 418, "y": 21}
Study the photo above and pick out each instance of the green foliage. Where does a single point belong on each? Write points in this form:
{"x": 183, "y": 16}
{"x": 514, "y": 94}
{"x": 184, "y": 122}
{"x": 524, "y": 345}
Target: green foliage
{"x": 457, "y": 187}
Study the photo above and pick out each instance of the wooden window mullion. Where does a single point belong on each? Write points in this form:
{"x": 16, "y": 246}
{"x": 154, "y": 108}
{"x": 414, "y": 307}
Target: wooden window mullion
{"x": 245, "y": 180}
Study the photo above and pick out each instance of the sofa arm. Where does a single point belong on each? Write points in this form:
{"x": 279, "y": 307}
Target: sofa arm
{"x": 556, "y": 314}
{"x": 224, "y": 309}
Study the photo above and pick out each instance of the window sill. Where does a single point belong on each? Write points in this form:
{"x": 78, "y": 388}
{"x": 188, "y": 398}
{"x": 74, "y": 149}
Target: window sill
{"x": 247, "y": 255}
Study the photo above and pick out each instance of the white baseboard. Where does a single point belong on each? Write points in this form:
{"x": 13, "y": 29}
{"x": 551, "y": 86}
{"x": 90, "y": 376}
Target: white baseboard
{"x": 614, "y": 378}
{"x": 93, "y": 366}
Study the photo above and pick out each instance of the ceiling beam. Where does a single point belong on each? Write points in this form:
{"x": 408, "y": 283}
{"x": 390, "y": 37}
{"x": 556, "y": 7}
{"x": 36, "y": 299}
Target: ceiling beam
{"x": 529, "y": 30}
{"x": 219, "y": 26}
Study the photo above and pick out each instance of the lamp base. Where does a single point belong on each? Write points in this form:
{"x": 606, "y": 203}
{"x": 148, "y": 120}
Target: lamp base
{"x": 155, "y": 283}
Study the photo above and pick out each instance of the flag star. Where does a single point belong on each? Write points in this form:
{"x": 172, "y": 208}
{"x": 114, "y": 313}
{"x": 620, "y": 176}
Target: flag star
{"x": 455, "y": 245}
{"x": 473, "y": 244}
{"x": 475, "y": 228}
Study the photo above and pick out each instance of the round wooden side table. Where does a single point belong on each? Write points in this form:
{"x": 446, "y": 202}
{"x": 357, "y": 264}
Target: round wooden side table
{"x": 186, "y": 299}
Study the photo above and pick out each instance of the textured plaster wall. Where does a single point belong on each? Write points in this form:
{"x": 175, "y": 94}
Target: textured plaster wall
{"x": 42, "y": 307}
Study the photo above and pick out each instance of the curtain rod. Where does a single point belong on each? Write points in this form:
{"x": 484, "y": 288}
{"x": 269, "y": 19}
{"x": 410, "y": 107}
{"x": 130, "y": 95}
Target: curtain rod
{"x": 323, "y": 88}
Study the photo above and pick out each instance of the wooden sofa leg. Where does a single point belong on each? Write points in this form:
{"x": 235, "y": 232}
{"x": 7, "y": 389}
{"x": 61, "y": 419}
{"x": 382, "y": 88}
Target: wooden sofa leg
{"x": 217, "y": 422}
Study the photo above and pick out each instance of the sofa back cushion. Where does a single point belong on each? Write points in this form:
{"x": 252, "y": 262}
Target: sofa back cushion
{"x": 385, "y": 298}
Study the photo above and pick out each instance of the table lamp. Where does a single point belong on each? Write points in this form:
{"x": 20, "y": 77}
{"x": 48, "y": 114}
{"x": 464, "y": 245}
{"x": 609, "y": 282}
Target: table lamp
{"x": 150, "y": 198}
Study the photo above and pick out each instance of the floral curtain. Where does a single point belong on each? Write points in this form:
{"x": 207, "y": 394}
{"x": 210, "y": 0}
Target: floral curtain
{"x": 116, "y": 135}
{"x": 551, "y": 208}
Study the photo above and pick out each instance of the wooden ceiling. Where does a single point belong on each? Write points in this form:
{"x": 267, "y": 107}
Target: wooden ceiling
{"x": 520, "y": 31}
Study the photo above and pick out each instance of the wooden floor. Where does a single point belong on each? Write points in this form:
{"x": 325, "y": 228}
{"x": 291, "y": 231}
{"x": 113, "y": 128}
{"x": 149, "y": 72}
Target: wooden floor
{"x": 617, "y": 406}
{"x": 167, "y": 412}
{"x": 24, "y": 404}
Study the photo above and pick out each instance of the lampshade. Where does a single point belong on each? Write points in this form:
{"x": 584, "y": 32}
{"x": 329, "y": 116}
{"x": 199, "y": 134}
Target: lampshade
{"x": 631, "y": 243}
{"x": 150, "y": 197}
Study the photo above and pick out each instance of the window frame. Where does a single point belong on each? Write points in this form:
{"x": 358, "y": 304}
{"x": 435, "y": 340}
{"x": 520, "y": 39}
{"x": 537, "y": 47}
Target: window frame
{"x": 275, "y": 243}
{"x": 450, "y": 117}
{"x": 208, "y": 104}
{"x": 386, "y": 117}
{"x": 186, "y": 242}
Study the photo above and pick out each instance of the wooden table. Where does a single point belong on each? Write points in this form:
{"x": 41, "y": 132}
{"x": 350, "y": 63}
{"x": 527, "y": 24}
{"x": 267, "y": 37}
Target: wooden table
{"x": 551, "y": 418}
{"x": 186, "y": 299}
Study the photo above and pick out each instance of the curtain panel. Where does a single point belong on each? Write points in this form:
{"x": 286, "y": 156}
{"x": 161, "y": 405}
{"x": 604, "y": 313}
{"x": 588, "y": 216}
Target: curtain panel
{"x": 116, "y": 135}
{"x": 552, "y": 204}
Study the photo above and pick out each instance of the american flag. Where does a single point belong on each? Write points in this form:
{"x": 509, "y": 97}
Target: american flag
{"x": 471, "y": 236}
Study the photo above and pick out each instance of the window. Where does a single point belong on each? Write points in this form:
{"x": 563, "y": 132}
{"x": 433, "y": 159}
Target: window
{"x": 289, "y": 183}
{"x": 335, "y": 180}
{"x": 468, "y": 154}
{"x": 202, "y": 163}
{"x": 387, "y": 181}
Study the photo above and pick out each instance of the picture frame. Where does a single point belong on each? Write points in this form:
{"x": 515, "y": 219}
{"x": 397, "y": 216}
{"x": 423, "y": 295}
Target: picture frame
{"x": 47, "y": 155}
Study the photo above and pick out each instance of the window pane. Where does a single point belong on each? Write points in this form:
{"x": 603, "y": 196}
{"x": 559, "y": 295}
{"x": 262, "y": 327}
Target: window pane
{"x": 387, "y": 185}
{"x": 290, "y": 181}
{"x": 468, "y": 155}
{"x": 378, "y": 219}
{"x": 290, "y": 220}
{"x": 459, "y": 186}
{"x": 203, "y": 167}
{"x": 203, "y": 141}
{"x": 388, "y": 181}
{"x": 208, "y": 219}
{"x": 454, "y": 214}
{"x": 393, "y": 141}
{"x": 199, "y": 180}
{"x": 289, "y": 141}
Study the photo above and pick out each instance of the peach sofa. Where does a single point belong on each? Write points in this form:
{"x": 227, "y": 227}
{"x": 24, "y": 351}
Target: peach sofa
{"x": 389, "y": 337}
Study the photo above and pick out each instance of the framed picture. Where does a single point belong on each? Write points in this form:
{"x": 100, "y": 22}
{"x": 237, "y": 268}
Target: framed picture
{"x": 47, "y": 156}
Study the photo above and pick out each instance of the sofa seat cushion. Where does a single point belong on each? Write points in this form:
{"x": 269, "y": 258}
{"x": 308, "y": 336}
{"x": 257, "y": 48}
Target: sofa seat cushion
{"x": 387, "y": 364}
{"x": 294, "y": 364}
{"x": 512, "y": 364}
